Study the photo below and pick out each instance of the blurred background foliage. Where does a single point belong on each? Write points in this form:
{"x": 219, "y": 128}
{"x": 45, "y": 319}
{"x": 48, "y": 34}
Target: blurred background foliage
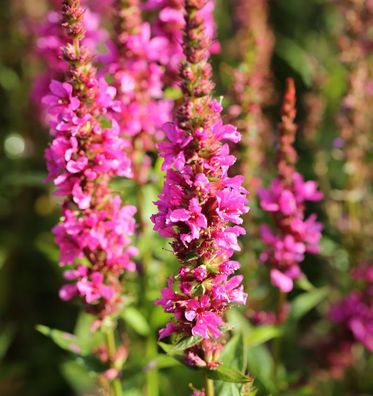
{"x": 31, "y": 365}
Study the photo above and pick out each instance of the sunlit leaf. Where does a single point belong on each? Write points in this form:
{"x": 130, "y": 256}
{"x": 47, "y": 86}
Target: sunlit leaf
{"x": 305, "y": 302}
{"x": 260, "y": 335}
{"x": 6, "y": 336}
{"x": 234, "y": 353}
{"x": 135, "y": 319}
{"x": 296, "y": 57}
{"x": 63, "y": 339}
{"x": 227, "y": 374}
{"x": 78, "y": 377}
{"x": 260, "y": 364}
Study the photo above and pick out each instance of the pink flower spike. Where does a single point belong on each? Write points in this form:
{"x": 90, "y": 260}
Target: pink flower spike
{"x": 87, "y": 151}
{"x": 200, "y": 206}
{"x": 292, "y": 235}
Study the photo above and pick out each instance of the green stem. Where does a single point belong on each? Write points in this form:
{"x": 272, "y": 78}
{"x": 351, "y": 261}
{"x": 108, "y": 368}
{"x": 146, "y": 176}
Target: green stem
{"x": 277, "y": 341}
{"x": 152, "y": 380}
{"x": 140, "y": 198}
{"x": 209, "y": 386}
{"x": 115, "y": 385}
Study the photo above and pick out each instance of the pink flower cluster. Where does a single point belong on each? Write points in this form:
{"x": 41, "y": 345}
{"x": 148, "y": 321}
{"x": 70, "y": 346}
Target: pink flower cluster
{"x": 200, "y": 206}
{"x": 355, "y": 311}
{"x": 51, "y": 38}
{"x": 135, "y": 63}
{"x": 170, "y": 23}
{"x": 86, "y": 152}
{"x": 294, "y": 233}
{"x": 297, "y": 234}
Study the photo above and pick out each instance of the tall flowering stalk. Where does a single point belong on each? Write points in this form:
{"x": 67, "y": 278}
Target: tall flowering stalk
{"x": 293, "y": 233}
{"x": 200, "y": 206}
{"x": 138, "y": 74}
{"x": 137, "y": 66}
{"x": 355, "y": 125}
{"x": 251, "y": 88}
{"x": 87, "y": 151}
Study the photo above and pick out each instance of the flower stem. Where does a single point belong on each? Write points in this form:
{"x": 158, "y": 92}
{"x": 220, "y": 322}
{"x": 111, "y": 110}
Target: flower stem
{"x": 209, "y": 386}
{"x": 115, "y": 385}
{"x": 277, "y": 341}
{"x": 152, "y": 380}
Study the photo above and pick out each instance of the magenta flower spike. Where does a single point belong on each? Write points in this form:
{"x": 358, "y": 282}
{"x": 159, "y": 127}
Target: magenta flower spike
{"x": 200, "y": 206}
{"x": 135, "y": 64}
{"x": 87, "y": 151}
{"x": 293, "y": 234}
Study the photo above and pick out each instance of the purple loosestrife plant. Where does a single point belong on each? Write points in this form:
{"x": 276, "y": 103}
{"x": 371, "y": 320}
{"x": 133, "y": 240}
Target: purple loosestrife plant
{"x": 353, "y": 214}
{"x": 293, "y": 234}
{"x": 86, "y": 152}
{"x": 138, "y": 77}
{"x": 200, "y": 206}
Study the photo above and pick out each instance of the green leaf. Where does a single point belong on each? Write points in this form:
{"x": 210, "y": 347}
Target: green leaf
{"x": 262, "y": 334}
{"x": 304, "y": 284}
{"x": 226, "y": 327}
{"x": 162, "y": 362}
{"x": 139, "y": 368}
{"x": 234, "y": 354}
{"x": 6, "y": 337}
{"x": 88, "y": 340}
{"x": 234, "y": 389}
{"x": 228, "y": 389}
{"x": 183, "y": 344}
{"x": 227, "y": 374}
{"x": 136, "y": 320}
{"x": 237, "y": 320}
{"x": 78, "y": 377}
{"x": 260, "y": 365}
{"x": 296, "y": 57}
{"x": 305, "y": 302}
{"x": 165, "y": 347}
{"x": 64, "y": 340}
{"x": 91, "y": 364}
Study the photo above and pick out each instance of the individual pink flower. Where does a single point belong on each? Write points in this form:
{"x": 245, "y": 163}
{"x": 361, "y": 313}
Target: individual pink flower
{"x": 173, "y": 150}
{"x": 60, "y": 98}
